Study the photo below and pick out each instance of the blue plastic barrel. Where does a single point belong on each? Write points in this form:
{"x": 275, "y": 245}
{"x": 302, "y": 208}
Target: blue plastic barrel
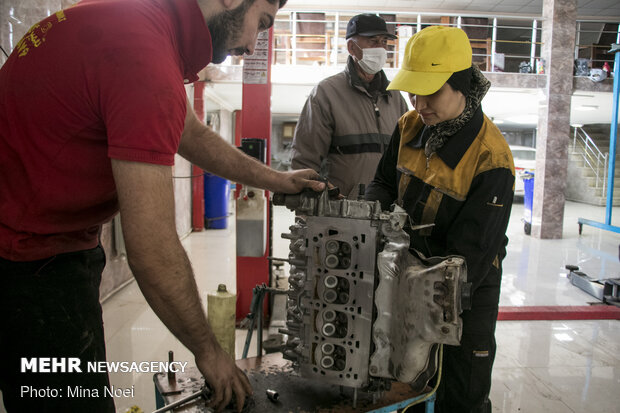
{"x": 217, "y": 193}
{"x": 528, "y": 201}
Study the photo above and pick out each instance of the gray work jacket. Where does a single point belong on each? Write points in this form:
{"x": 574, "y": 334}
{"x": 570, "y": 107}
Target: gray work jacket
{"x": 345, "y": 124}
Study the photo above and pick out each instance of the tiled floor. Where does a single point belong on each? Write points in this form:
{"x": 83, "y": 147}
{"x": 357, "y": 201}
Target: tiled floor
{"x": 541, "y": 366}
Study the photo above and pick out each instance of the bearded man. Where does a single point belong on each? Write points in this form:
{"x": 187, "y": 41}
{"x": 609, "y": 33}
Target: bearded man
{"x": 92, "y": 111}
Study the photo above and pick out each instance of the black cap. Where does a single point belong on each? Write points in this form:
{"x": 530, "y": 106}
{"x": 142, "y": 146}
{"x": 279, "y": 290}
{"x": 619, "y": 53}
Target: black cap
{"x": 367, "y": 25}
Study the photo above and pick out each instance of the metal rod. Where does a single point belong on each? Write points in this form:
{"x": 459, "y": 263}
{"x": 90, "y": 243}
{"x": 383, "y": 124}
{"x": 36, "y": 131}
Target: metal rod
{"x": 171, "y": 374}
{"x": 493, "y": 45}
{"x": 575, "y": 139}
{"x": 252, "y": 317}
{"x": 613, "y": 135}
{"x": 533, "y": 48}
{"x": 297, "y": 262}
{"x": 294, "y": 37}
{"x": 259, "y": 327}
{"x": 336, "y": 48}
{"x": 577, "y": 40}
{"x": 205, "y": 391}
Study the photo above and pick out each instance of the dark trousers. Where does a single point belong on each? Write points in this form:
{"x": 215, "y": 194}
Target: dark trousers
{"x": 466, "y": 370}
{"x": 466, "y": 373}
{"x": 50, "y": 309}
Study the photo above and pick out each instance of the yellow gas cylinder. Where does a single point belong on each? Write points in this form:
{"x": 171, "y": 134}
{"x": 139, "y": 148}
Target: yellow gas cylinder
{"x": 221, "y": 316}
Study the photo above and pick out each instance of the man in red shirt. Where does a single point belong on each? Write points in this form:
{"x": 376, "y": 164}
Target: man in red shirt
{"x": 92, "y": 111}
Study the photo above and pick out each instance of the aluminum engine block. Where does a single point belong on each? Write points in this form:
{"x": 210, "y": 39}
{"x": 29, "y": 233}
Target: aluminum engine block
{"x": 360, "y": 308}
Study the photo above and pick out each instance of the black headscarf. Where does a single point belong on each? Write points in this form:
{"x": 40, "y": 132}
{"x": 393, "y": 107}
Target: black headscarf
{"x": 461, "y": 80}
{"x": 476, "y": 86}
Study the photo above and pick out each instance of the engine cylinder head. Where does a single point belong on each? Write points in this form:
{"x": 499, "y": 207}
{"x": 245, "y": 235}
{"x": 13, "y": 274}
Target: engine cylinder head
{"x": 329, "y": 329}
{"x": 327, "y": 348}
{"x": 330, "y": 296}
{"x": 345, "y": 248}
{"x": 329, "y": 315}
{"x": 331, "y": 261}
{"x": 332, "y": 246}
{"x": 327, "y": 362}
{"x": 331, "y": 281}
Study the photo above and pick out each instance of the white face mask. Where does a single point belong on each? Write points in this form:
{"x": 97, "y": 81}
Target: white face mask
{"x": 373, "y": 59}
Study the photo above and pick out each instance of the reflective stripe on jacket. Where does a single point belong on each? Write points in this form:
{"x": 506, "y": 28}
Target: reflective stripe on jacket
{"x": 466, "y": 189}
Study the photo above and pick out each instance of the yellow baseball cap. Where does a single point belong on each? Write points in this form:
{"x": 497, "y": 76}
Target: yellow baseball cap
{"x": 431, "y": 56}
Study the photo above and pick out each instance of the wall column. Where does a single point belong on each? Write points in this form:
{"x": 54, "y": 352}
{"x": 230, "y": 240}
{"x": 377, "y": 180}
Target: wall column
{"x": 558, "y": 37}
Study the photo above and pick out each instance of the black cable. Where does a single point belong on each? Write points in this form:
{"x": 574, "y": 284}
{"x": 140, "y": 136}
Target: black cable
{"x": 3, "y": 51}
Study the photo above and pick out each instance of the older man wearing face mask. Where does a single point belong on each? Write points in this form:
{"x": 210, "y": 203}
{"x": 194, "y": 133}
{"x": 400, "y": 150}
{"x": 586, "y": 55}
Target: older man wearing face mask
{"x": 348, "y": 118}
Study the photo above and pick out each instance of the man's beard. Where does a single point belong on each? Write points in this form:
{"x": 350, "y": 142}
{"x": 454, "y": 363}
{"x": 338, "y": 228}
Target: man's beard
{"x": 226, "y": 28}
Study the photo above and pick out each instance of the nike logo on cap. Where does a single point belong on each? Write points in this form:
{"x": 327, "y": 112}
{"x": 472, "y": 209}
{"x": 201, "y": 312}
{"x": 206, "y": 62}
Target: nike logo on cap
{"x": 435, "y": 64}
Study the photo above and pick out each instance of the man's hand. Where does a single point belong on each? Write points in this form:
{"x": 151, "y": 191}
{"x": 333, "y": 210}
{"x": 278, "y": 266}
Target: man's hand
{"x": 224, "y": 377}
{"x": 293, "y": 182}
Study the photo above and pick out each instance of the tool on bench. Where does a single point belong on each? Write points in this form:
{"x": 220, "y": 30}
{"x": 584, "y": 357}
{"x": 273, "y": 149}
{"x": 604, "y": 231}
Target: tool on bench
{"x": 256, "y": 316}
{"x": 205, "y": 393}
{"x": 272, "y": 395}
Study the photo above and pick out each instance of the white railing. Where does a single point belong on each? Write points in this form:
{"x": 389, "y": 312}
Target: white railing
{"x": 318, "y": 37}
{"x": 593, "y": 158}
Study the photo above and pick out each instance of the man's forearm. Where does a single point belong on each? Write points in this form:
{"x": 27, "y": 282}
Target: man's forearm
{"x": 166, "y": 279}
{"x": 156, "y": 256}
{"x": 206, "y": 149}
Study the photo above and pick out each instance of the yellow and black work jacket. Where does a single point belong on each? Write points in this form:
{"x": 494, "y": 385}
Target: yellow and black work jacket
{"x": 466, "y": 189}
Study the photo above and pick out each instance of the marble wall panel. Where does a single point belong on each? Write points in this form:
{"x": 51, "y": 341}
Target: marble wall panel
{"x": 541, "y": 139}
{"x": 516, "y": 80}
{"x": 584, "y": 83}
{"x": 554, "y": 118}
{"x": 561, "y": 77}
{"x": 548, "y": 211}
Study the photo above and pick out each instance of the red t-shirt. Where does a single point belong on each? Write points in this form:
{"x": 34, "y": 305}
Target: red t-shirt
{"x": 103, "y": 79}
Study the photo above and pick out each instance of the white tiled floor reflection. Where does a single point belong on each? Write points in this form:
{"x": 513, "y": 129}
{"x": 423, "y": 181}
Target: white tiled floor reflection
{"x": 534, "y": 272}
{"x": 541, "y": 366}
{"x": 557, "y": 366}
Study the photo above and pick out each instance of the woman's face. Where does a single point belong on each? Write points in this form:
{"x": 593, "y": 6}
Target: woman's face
{"x": 445, "y": 104}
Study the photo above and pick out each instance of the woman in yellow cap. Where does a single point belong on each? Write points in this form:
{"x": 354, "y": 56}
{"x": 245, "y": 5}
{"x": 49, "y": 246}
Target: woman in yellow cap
{"x": 449, "y": 165}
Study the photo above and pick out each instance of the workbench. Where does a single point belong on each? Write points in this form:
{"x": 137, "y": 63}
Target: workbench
{"x": 296, "y": 394}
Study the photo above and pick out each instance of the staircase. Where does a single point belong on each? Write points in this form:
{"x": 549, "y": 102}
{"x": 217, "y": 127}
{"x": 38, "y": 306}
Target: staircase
{"x": 587, "y": 166}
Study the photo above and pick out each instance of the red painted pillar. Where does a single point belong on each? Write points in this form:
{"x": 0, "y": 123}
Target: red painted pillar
{"x": 255, "y": 120}
{"x": 198, "y": 198}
